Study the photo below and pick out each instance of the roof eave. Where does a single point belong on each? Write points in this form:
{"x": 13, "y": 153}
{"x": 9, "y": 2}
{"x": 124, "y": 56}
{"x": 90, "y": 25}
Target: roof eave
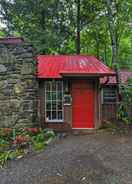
{"x": 86, "y": 74}
{"x": 49, "y": 77}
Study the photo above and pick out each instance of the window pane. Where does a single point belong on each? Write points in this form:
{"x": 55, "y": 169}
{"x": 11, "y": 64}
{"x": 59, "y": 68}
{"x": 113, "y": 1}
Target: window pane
{"x": 54, "y": 96}
{"x": 48, "y": 96}
{"x": 59, "y": 105}
{"x": 59, "y": 86}
{"x": 53, "y": 86}
{"x": 48, "y": 86}
{"x": 54, "y": 117}
{"x": 109, "y": 100}
{"x": 48, "y": 105}
{"x": 54, "y": 105}
{"x": 109, "y": 95}
{"x": 59, "y": 95}
{"x": 60, "y": 115}
{"x": 48, "y": 115}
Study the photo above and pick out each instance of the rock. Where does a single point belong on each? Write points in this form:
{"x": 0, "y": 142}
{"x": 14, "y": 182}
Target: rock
{"x": 18, "y": 89}
{"x": 27, "y": 68}
{"x": 3, "y": 83}
{"x": 3, "y": 69}
{"x": 59, "y": 174}
{"x": 83, "y": 178}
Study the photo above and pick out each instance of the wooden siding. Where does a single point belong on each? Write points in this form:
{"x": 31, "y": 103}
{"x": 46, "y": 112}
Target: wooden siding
{"x": 109, "y": 111}
{"x": 97, "y": 102}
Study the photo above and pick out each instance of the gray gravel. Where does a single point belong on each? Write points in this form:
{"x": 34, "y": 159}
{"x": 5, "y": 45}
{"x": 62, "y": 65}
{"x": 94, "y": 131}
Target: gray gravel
{"x": 91, "y": 159}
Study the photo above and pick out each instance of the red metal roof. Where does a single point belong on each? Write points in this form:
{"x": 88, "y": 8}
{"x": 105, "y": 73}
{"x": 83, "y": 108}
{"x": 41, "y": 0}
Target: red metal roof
{"x": 124, "y": 75}
{"x": 55, "y": 66}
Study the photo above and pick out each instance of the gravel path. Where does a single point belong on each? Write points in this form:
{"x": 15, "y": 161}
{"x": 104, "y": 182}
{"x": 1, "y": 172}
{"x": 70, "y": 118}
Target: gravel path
{"x": 90, "y": 159}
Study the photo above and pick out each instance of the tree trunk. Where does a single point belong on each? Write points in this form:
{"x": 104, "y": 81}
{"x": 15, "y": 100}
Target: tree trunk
{"x": 78, "y": 28}
{"x": 113, "y": 42}
{"x": 97, "y": 44}
{"x": 105, "y": 53}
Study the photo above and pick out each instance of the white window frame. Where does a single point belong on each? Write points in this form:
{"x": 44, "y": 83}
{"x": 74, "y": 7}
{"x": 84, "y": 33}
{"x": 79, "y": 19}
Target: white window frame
{"x": 54, "y": 120}
{"x": 102, "y": 96}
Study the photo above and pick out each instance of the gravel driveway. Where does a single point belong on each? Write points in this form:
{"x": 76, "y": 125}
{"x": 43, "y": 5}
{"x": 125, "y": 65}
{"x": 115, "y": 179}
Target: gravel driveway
{"x": 91, "y": 159}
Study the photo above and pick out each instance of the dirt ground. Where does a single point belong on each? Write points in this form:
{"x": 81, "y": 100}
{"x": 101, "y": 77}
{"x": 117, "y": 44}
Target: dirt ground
{"x": 99, "y": 158}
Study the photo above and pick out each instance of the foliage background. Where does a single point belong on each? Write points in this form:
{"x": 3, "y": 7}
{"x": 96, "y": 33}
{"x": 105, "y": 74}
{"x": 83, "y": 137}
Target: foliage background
{"x": 50, "y": 25}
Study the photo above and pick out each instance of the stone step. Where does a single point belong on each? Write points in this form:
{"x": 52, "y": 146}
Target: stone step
{"x": 83, "y": 131}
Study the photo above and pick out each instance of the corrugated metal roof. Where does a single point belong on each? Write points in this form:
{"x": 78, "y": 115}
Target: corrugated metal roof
{"x": 124, "y": 75}
{"x": 55, "y": 66}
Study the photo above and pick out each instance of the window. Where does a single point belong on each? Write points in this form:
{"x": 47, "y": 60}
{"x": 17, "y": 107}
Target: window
{"x": 54, "y": 101}
{"x": 109, "y": 95}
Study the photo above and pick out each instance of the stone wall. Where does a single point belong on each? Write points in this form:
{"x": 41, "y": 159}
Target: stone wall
{"x": 18, "y": 86}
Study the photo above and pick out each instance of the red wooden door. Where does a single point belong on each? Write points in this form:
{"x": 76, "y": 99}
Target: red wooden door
{"x": 82, "y": 104}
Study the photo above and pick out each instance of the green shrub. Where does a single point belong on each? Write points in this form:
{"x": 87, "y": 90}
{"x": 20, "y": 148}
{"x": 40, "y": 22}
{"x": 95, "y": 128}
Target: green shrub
{"x": 126, "y": 93}
{"x": 14, "y": 140}
{"x": 37, "y": 146}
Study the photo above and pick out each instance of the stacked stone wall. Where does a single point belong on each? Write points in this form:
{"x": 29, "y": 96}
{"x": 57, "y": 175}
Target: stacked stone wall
{"x": 18, "y": 86}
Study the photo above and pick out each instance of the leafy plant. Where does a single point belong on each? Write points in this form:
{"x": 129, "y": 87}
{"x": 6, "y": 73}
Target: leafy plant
{"x": 38, "y": 141}
{"x": 123, "y": 112}
{"x": 32, "y": 131}
{"x": 3, "y": 144}
{"x": 17, "y": 141}
{"x": 9, "y": 155}
{"x": 37, "y": 146}
{"x": 4, "y": 157}
{"x": 49, "y": 134}
{"x": 38, "y": 138}
{"x": 42, "y": 139}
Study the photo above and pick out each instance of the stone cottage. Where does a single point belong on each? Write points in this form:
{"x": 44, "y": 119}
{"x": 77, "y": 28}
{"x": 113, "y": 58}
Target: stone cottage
{"x": 59, "y": 92}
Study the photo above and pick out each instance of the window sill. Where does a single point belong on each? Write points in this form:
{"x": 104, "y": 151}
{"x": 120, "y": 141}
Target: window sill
{"x": 54, "y": 121}
{"x": 113, "y": 103}
{"x": 67, "y": 104}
